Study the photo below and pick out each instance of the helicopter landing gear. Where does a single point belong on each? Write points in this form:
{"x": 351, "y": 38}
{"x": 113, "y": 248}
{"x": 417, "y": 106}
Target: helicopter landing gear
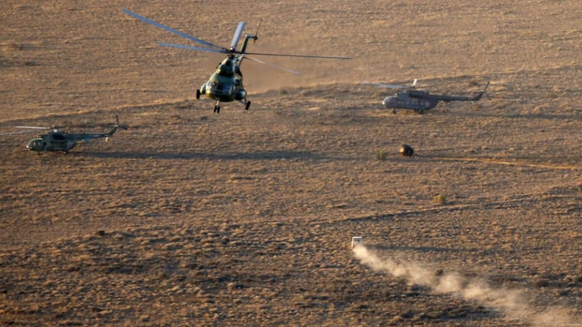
{"x": 217, "y": 108}
{"x": 197, "y": 94}
{"x": 246, "y": 103}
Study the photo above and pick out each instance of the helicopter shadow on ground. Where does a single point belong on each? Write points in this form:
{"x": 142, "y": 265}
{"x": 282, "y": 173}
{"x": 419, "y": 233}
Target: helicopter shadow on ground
{"x": 482, "y": 114}
{"x": 265, "y": 155}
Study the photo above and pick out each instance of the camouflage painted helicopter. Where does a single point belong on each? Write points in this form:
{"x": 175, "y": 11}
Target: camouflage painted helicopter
{"x": 61, "y": 140}
{"x": 226, "y": 84}
{"x": 421, "y": 101}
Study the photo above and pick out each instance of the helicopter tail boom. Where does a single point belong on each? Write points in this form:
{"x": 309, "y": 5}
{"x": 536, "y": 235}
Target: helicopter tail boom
{"x": 112, "y": 131}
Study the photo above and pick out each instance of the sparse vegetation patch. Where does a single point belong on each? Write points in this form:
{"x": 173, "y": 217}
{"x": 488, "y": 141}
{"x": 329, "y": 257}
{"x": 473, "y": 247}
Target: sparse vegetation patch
{"x": 440, "y": 199}
{"x": 382, "y": 155}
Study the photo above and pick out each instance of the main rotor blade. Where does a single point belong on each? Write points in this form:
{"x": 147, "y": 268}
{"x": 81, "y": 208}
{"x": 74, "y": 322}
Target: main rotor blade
{"x": 237, "y": 35}
{"x": 190, "y": 37}
{"x": 33, "y": 127}
{"x": 274, "y": 66}
{"x": 386, "y": 86}
{"x": 414, "y": 83}
{"x": 297, "y": 56}
{"x": 181, "y": 46}
{"x": 19, "y": 132}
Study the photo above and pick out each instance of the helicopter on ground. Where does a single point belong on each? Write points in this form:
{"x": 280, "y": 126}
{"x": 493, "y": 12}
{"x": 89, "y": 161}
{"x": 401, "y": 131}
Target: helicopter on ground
{"x": 226, "y": 84}
{"x": 421, "y": 101}
{"x": 61, "y": 140}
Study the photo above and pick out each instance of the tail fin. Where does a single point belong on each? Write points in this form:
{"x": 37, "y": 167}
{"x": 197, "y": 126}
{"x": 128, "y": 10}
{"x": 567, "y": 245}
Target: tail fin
{"x": 250, "y": 37}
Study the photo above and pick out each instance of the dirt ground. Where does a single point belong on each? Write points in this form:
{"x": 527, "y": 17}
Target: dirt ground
{"x": 245, "y": 218}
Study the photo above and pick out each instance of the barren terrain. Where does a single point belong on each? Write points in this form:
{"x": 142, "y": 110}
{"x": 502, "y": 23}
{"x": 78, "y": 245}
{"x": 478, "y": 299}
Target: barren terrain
{"x": 245, "y": 218}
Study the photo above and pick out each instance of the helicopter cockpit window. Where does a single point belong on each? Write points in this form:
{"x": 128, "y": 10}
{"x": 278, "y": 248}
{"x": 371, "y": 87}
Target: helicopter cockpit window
{"x": 229, "y": 67}
{"x": 220, "y": 88}
{"x": 226, "y": 70}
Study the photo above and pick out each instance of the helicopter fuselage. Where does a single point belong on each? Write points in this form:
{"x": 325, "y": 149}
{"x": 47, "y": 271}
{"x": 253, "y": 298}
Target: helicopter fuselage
{"x": 56, "y": 141}
{"x": 225, "y": 85}
{"x": 404, "y": 100}
{"x": 422, "y": 101}
{"x": 63, "y": 141}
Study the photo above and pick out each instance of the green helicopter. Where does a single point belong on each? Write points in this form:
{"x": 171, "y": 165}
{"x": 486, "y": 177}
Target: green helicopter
{"x": 57, "y": 140}
{"x": 226, "y": 84}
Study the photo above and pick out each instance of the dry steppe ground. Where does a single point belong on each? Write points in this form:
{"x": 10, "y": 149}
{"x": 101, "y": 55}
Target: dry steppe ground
{"x": 245, "y": 218}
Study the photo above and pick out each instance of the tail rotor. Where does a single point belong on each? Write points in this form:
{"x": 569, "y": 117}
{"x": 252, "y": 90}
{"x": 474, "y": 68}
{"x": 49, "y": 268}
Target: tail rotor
{"x": 257, "y": 33}
{"x": 256, "y": 36}
{"x": 485, "y": 91}
{"x": 119, "y": 125}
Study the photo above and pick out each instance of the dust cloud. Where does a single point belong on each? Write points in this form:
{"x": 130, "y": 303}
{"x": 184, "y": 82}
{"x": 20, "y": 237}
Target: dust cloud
{"x": 314, "y": 72}
{"x": 510, "y": 302}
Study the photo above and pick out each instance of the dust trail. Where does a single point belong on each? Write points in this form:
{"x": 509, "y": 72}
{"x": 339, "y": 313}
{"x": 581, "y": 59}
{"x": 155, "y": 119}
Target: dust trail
{"x": 511, "y": 163}
{"x": 510, "y": 302}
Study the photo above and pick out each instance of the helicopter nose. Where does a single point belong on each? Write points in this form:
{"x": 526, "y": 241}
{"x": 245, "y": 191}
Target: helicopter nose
{"x": 389, "y": 102}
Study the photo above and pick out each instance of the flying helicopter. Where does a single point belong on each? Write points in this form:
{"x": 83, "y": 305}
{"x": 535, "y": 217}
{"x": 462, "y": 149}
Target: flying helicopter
{"x": 57, "y": 140}
{"x": 421, "y": 101}
{"x": 226, "y": 84}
